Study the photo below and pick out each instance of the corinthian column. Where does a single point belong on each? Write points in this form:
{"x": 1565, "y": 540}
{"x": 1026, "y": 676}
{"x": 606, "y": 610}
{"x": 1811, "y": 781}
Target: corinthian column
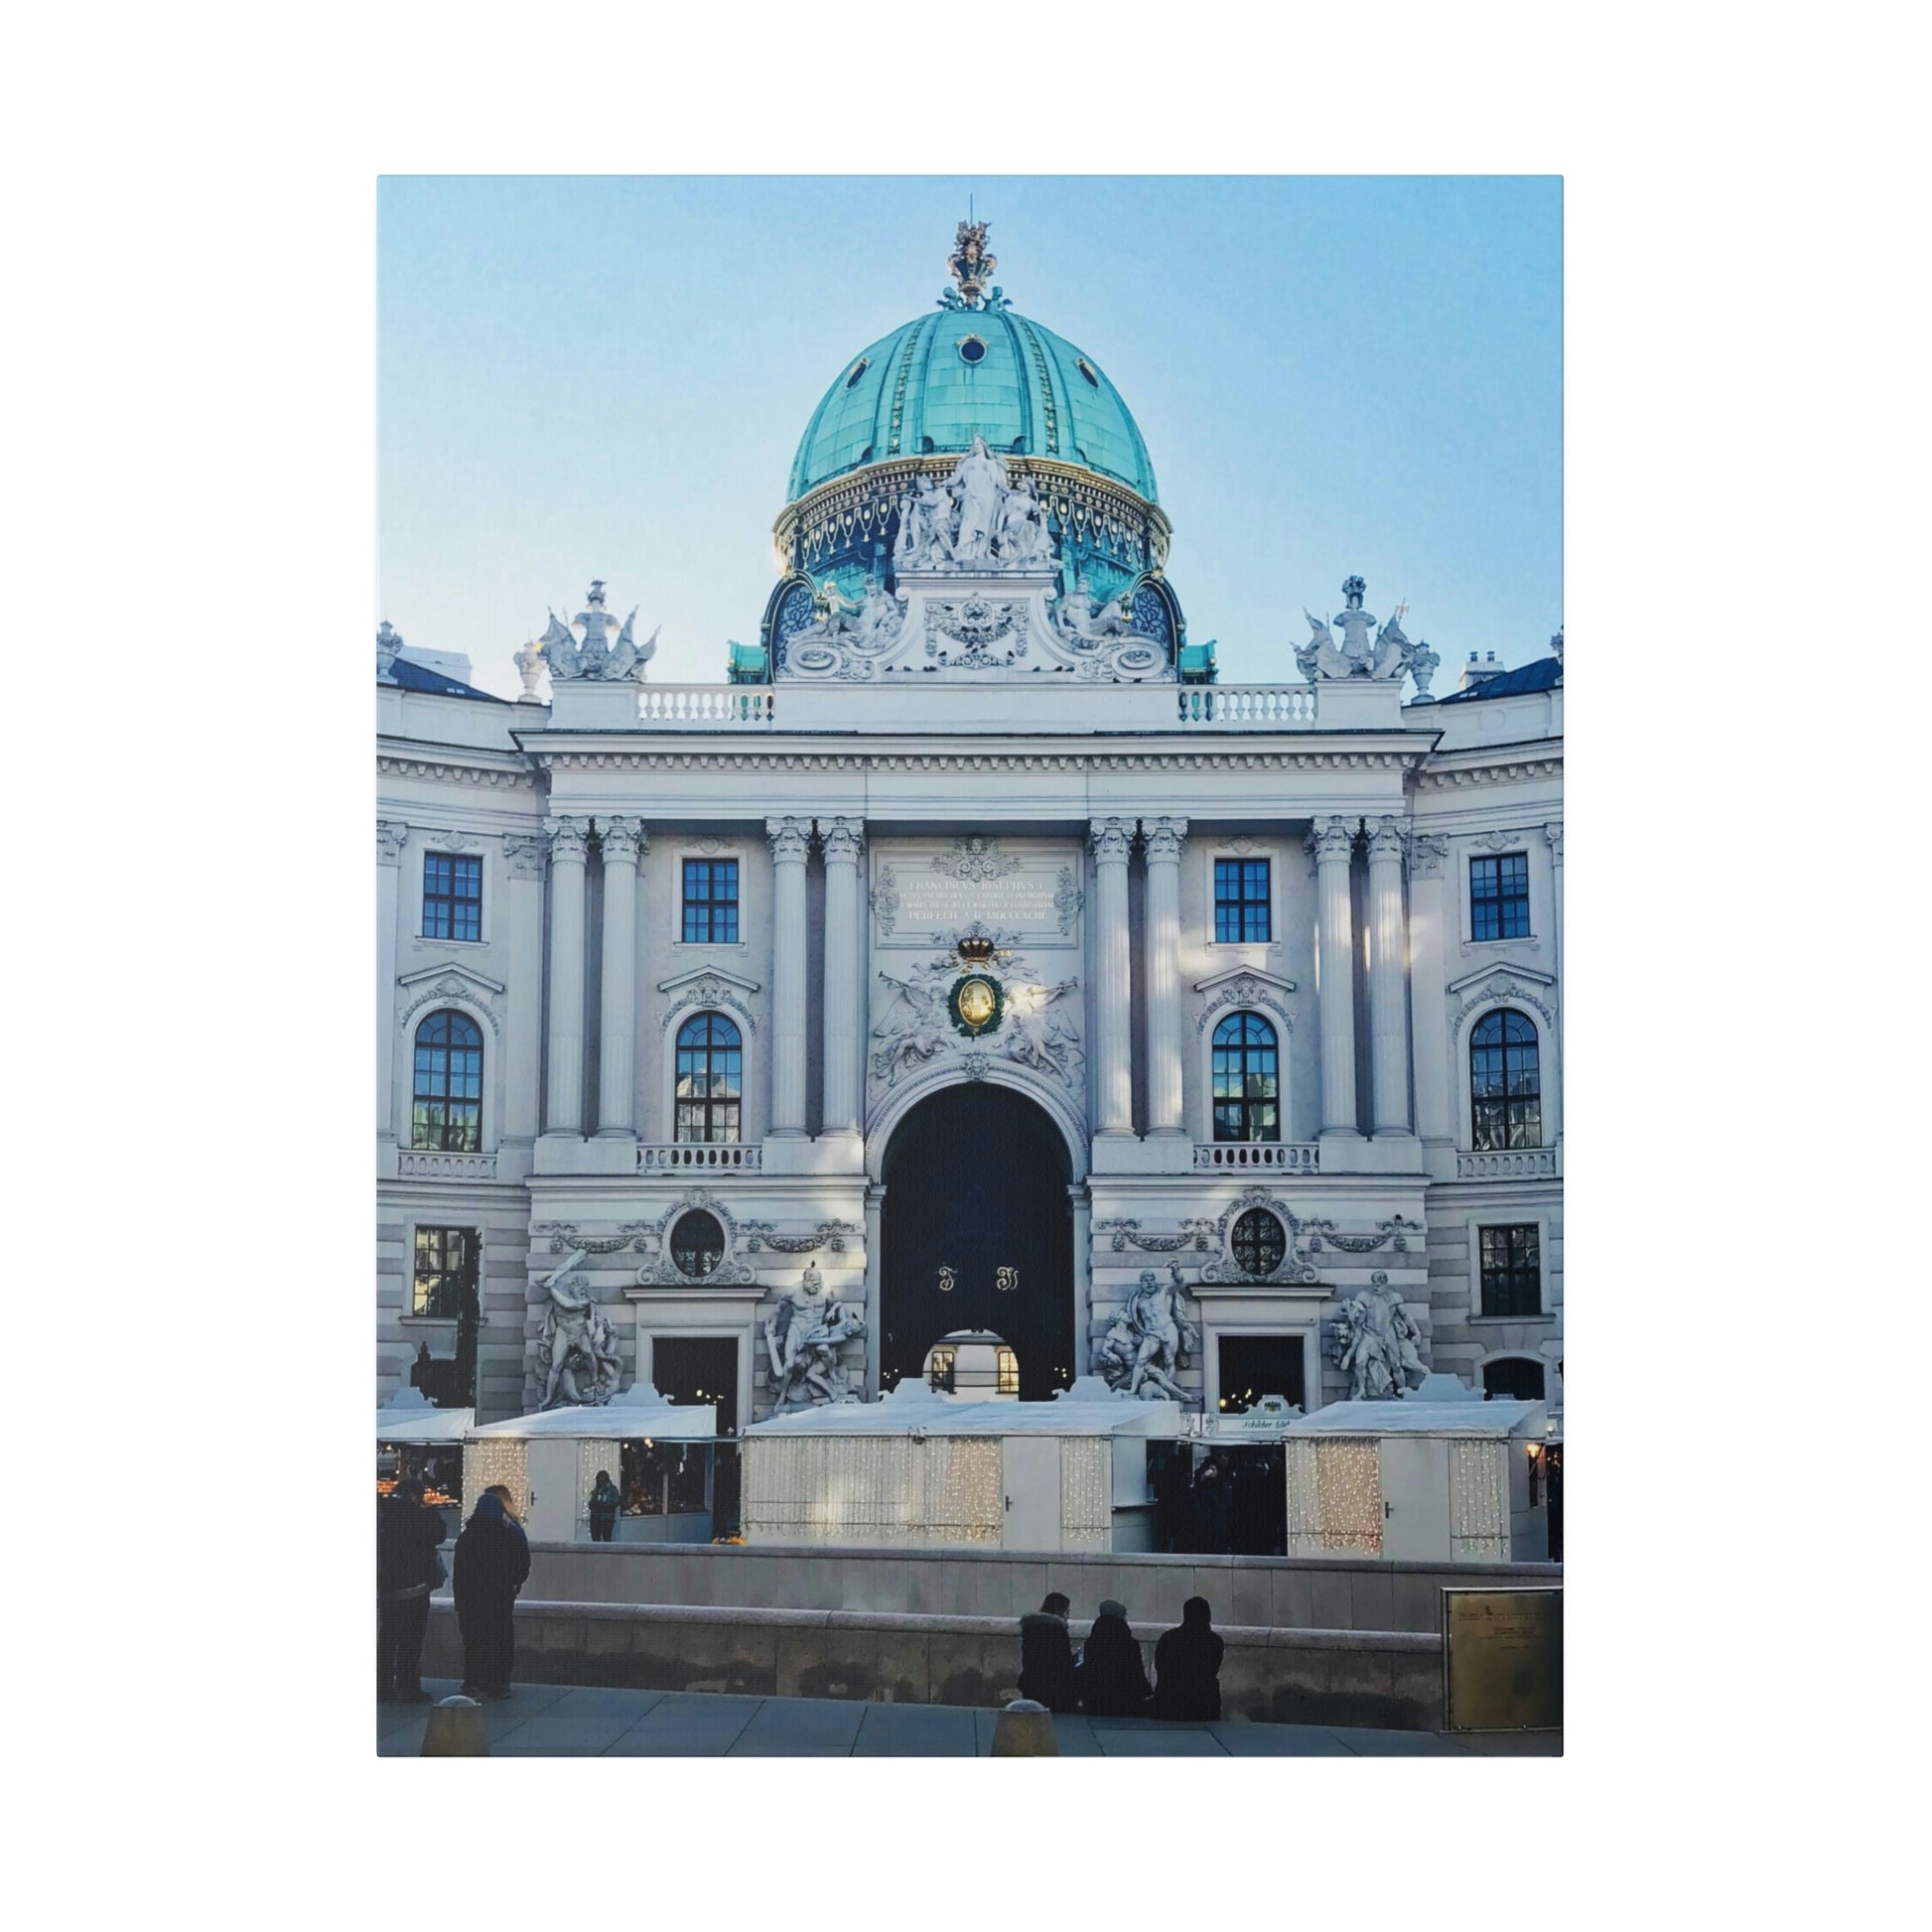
{"x": 390, "y": 838}
{"x": 1388, "y": 1002}
{"x": 844, "y": 843}
{"x": 565, "y": 1045}
{"x": 1333, "y": 841}
{"x": 790, "y": 839}
{"x": 1110, "y": 838}
{"x": 1164, "y": 838}
{"x": 625, "y": 844}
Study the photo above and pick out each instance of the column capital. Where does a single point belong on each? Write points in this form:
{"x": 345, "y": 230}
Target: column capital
{"x": 1428, "y": 853}
{"x": 1108, "y": 839}
{"x": 790, "y": 839}
{"x": 524, "y": 854}
{"x": 624, "y": 840}
{"x": 1385, "y": 842}
{"x": 1164, "y": 838}
{"x": 1554, "y": 835}
{"x": 568, "y": 838}
{"x": 1331, "y": 839}
{"x": 391, "y": 836}
{"x": 844, "y": 839}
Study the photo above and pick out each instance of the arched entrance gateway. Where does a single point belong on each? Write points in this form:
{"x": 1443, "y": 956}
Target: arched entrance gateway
{"x": 977, "y": 1232}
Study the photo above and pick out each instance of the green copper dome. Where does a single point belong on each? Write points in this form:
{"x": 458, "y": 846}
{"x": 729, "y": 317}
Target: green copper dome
{"x": 929, "y": 387}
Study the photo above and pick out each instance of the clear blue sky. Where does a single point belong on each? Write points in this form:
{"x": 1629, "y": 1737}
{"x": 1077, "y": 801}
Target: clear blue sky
{"x": 607, "y": 377}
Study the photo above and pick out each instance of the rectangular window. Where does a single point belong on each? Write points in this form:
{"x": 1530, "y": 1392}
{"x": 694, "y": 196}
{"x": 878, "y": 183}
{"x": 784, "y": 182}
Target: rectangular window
{"x": 711, "y": 901}
{"x": 1241, "y": 902}
{"x": 1499, "y": 896}
{"x": 1512, "y": 1280}
{"x": 452, "y": 896}
{"x": 446, "y": 1271}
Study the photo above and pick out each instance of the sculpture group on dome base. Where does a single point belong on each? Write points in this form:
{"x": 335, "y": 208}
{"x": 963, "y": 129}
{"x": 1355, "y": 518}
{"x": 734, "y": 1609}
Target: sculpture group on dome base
{"x": 976, "y": 519}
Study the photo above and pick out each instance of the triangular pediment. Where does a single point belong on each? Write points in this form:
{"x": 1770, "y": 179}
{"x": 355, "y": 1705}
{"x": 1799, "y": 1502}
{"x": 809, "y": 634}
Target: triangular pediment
{"x": 477, "y": 983}
{"x": 717, "y": 974}
{"x": 1273, "y": 980}
{"x": 1502, "y": 969}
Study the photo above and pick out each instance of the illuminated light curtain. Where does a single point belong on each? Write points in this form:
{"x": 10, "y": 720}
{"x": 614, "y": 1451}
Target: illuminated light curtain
{"x": 1349, "y": 1495}
{"x": 1478, "y": 1502}
{"x": 500, "y": 1459}
{"x": 1303, "y": 1519}
{"x": 593, "y": 1454}
{"x": 1086, "y": 1507}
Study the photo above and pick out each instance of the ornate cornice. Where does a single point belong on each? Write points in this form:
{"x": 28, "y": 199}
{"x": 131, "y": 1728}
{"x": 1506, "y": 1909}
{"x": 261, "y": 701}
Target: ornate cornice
{"x": 390, "y": 837}
{"x": 1331, "y": 840}
{"x": 1244, "y": 992}
{"x": 1108, "y": 839}
{"x": 1498, "y": 773}
{"x": 698, "y": 759}
{"x": 568, "y": 838}
{"x": 790, "y": 839}
{"x": 624, "y": 840}
{"x": 844, "y": 840}
{"x": 452, "y": 771}
{"x": 1164, "y": 839}
{"x": 524, "y": 854}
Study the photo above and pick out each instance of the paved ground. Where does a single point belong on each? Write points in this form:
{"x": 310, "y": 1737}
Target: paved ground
{"x": 559, "y": 1720}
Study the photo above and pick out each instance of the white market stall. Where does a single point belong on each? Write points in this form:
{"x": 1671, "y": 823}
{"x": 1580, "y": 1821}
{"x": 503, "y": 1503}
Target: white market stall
{"x": 664, "y": 1457}
{"x": 1441, "y": 1476}
{"x": 922, "y": 1469}
{"x": 414, "y": 1438}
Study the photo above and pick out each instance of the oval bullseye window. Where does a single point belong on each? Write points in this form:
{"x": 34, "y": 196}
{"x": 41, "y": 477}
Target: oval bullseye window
{"x": 697, "y": 1244}
{"x": 971, "y": 350}
{"x": 1259, "y": 1243}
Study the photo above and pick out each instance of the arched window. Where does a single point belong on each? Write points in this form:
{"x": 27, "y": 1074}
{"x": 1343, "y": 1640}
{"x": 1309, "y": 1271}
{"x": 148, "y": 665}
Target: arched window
{"x": 1519, "y": 1377}
{"x": 1505, "y": 1086}
{"x": 709, "y": 1078}
{"x": 448, "y": 1092}
{"x": 1258, "y": 1243}
{"x": 1247, "y": 1079}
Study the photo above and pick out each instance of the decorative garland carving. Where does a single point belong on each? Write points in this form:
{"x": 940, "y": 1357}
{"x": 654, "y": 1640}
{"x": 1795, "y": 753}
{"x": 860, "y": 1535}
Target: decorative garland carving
{"x": 706, "y": 992}
{"x": 1069, "y": 901}
{"x": 829, "y": 1235}
{"x": 1498, "y": 992}
{"x": 1127, "y": 1233}
{"x": 564, "y": 1238}
{"x": 885, "y": 900}
{"x": 1395, "y": 1232}
{"x": 1244, "y": 992}
{"x": 451, "y": 987}
{"x": 975, "y": 860}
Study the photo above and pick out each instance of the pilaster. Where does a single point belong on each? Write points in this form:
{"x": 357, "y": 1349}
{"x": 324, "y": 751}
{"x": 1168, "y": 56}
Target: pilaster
{"x": 1388, "y": 993}
{"x": 569, "y": 838}
{"x": 1111, "y": 840}
{"x": 790, "y": 840}
{"x": 1333, "y": 843}
{"x": 390, "y": 838}
{"x": 1164, "y": 839}
{"x": 625, "y": 844}
{"x": 521, "y": 920}
{"x": 843, "y": 840}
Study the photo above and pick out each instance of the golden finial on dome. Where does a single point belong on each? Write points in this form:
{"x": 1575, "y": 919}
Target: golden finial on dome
{"x": 969, "y": 264}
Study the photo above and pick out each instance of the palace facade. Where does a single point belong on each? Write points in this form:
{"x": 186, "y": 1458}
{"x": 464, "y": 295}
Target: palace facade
{"x": 972, "y": 944}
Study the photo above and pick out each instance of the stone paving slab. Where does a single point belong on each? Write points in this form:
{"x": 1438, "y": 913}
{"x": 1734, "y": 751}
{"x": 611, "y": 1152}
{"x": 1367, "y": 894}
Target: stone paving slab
{"x": 801, "y": 1728}
{"x": 916, "y": 1731}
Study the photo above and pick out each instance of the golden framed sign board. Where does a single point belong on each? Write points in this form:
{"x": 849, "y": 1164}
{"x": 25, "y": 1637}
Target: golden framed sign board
{"x": 1502, "y": 1658}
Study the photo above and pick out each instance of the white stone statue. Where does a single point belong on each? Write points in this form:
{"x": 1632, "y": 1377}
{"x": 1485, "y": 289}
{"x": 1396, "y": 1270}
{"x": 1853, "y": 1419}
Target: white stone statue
{"x": 1147, "y": 1342}
{"x": 597, "y": 656}
{"x": 1376, "y": 1344}
{"x": 577, "y": 1350}
{"x": 1085, "y": 623}
{"x": 1023, "y": 524}
{"x": 914, "y": 1027}
{"x": 979, "y": 486}
{"x": 1318, "y": 657}
{"x": 926, "y": 527}
{"x": 1355, "y": 625}
{"x": 803, "y": 1337}
{"x": 976, "y": 519}
{"x": 388, "y": 643}
{"x": 529, "y": 667}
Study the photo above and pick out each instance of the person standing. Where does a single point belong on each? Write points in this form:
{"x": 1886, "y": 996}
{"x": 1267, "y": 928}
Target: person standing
{"x": 1187, "y": 1667}
{"x": 603, "y": 1507}
{"x": 407, "y": 1568}
{"x": 1047, "y": 1656}
{"x": 493, "y": 1560}
{"x": 1111, "y": 1677}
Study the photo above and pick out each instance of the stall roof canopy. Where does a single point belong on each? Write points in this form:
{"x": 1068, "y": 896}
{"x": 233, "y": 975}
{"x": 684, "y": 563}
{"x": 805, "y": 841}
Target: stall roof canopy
{"x": 412, "y": 1418}
{"x": 639, "y": 1412}
{"x": 1467, "y": 1413}
{"x": 1088, "y": 1409}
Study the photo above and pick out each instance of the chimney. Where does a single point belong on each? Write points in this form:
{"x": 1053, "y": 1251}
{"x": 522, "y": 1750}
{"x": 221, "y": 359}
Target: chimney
{"x": 1478, "y": 670}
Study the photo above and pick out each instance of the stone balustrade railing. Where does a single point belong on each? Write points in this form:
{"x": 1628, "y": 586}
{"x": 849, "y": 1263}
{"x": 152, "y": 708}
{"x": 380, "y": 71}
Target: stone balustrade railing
{"x": 733, "y": 1157}
{"x": 1518, "y": 1163}
{"x": 415, "y": 1164}
{"x": 1246, "y": 707}
{"x": 707, "y": 706}
{"x": 1282, "y": 1157}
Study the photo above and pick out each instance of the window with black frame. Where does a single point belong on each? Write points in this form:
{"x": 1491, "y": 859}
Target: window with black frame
{"x": 452, "y": 896}
{"x": 1258, "y": 1242}
{"x": 697, "y": 1244}
{"x": 1511, "y": 1263}
{"x": 1519, "y": 1378}
{"x": 1247, "y": 1079}
{"x": 709, "y": 1079}
{"x": 1241, "y": 902}
{"x": 1505, "y": 1083}
{"x": 446, "y": 1094}
{"x": 1499, "y": 896}
{"x": 711, "y": 901}
{"x": 446, "y": 1266}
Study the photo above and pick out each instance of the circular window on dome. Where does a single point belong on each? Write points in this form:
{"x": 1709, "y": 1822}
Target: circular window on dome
{"x": 697, "y": 1244}
{"x": 971, "y": 350}
{"x": 1086, "y": 369}
{"x": 858, "y": 370}
{"x": 1259, "y": 1243}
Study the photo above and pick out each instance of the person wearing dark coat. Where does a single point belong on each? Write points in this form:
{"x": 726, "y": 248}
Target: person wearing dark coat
{"x": 604, "y": 1507}
{"x": 1047, "y": 1656}
{"x": 1187, "y": 1667}
{"x": 493, "y": 1560}
{"x": 406, "y": 1569}
{"x": 1110, "y": 1677}
{"x": 1210, "y": 1495}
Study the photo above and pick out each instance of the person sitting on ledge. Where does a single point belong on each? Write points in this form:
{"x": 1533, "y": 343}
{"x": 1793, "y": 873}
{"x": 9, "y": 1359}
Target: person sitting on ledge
{"x": 1187, "y": 1667}
{"x": 1047, "y": 1656}
{"x": 1111, "y": 1677}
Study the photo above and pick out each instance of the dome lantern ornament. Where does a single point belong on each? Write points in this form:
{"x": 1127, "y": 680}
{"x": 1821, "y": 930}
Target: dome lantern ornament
{"x": 970, "y": 266}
